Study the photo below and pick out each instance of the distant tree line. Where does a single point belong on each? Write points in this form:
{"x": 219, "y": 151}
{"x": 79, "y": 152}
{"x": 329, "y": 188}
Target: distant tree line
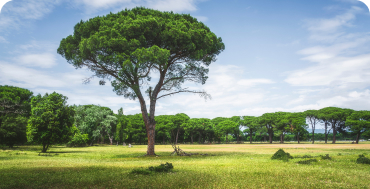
{"x": 48, "y": 120}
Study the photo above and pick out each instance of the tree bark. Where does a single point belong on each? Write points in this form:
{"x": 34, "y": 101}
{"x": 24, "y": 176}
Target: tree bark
{"x": 250, "y": 137}
{"x": 164, "y": 138}
{"x": 326, "y": 133}
{"x": 334, "y": 133}
{"x": 270, "y": 137}
{"x": 177, "y": 135}
{"x": 45, "y": 147}
{"x": 281, "y": 139}
{"x": 191, "y": 137}
{"x": 313, "y": 136}
{"x": 357, "y": 137}
{"x": 298, "y": 138}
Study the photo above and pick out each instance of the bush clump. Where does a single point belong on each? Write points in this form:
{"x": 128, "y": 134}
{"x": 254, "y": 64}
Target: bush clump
{"x": 308, "y": 161}
{"x": 363, "y": 160}
{"x": 78, "y": 140}
{"x": 153, "y": 169}
{"x": 281, "y": 155}
{"x": 326, "y": 157}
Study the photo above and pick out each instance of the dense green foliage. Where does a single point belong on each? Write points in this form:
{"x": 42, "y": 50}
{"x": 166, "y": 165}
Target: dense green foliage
{"x": 162, "y": 168}
{"x": 14, "y": 113}
{"x": 51, "y": 120}
{"x": 362, "y": 159}
{"x": 282, "y": 155}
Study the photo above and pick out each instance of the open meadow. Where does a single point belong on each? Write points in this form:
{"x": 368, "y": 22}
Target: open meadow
{"x": 225, "y": 166}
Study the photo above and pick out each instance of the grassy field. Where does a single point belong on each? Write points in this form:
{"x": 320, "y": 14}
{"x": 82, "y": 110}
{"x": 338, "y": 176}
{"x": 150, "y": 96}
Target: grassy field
{"x": 227, "y": 166}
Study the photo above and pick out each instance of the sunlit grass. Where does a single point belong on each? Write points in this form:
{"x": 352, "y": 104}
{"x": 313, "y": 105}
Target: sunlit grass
{"x": 226, "y": 166}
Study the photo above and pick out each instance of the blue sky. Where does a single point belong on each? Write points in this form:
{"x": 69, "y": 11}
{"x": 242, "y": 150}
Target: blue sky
{"x": 281, "y": 55}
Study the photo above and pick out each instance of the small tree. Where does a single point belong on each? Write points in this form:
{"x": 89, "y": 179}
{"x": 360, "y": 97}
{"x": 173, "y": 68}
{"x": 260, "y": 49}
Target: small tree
{"x": 51, "y": 120}
{"x": 123, "y": 123}
{"x": 359, "y": 122}
{"x": 252, "y": 125}
{"x": 227, "y": 127}
{"x": 312, "y": 117}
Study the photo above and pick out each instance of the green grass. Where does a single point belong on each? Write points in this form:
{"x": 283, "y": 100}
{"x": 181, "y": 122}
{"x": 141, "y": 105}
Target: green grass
{"x": 227, "y": 166}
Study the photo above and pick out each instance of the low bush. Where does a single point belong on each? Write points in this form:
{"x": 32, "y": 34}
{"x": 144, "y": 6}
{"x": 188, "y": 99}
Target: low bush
{"x": 308, "y": 161}
{"x": 281, "y": 155}
{"x": 363, "y": 160}
{"x": 326, "y": 157}
{"x": 153, "y": 169}
{"x": 78, "y": 140}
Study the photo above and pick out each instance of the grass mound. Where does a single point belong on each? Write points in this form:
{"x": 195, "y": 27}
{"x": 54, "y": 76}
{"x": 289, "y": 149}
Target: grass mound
{"x": 153, "y": 169}
{"x": 281, "y": 155}
{"x": 308, "y": 161}
{"x": 326, "y": 157}
{"x": 363, "y": 160}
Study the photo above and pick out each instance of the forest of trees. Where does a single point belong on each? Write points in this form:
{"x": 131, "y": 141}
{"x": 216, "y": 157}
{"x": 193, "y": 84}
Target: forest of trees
{"x": 48, "y": 120}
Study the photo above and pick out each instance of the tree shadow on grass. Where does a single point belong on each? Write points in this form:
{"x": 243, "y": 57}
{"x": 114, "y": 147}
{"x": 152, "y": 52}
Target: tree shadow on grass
{"x": 98, "y": 177}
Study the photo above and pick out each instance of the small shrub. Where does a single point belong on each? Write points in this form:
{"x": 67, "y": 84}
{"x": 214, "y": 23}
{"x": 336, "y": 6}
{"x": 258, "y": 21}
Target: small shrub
{"x": 308, "y": 161}
{"x": 339, "y": 154}
{"x": 281, "y": 155}
{"x": 153, "y": 169}
{"x": 326, "y": 157}
{"x": 363, "y": 160}
{"x": 78, "y": 140}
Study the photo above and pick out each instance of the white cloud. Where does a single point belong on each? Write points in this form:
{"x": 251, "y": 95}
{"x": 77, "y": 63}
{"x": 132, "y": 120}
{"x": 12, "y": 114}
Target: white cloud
{"x": 12, "y": 74}
{"x": 172, "y": 5}
{"x": 253, "y": 82}
{"x": 162, "y": 5}
{"x": 17, "y": 11}
{"x": 44, "y": 60}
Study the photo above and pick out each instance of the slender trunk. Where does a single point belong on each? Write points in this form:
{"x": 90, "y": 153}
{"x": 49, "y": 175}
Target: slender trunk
{"x": 250, "y": 137}
{"x": 44, "y": 147}
{"x": 281, "y": 139}
{"x": 164, "y": 136}
{"x": 334, "y": 133}
{"x": 298, "y": 138}
{"x": 358, "y": 137}
{"x": 237, "y": 137}
{"x": 177, "y": 135}
{"x": 227, "y": 134}
{"x": 151, "y": 139}
{"x": 200, "y": 136}
{"x": 313, "y": 136}
{"x": 270, "y": 137}
{"x": 326, "y": 133}
{"x": 191, "y": 137}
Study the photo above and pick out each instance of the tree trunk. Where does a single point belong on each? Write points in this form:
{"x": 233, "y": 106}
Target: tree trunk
{"x": 237, "y": 137}
{"x": 227, "y": 134}
{"x": 334, "y": 133}
{"x": 326, "y": 133}
{"x": 250, "y": 137}
{"x": 270, "y": 137}
{"x": 151, "y": 140}
{"x": 358, "y": 137}
{"x": 45, "y": 147}
{"x": 164, "y": 136}
{"x": 313, "y": 136}
{"x": 177, "y": 135}
{"x": 298, "y": 138}
{"x": 281, "y": 139}
{"x": 191, "y": 137}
